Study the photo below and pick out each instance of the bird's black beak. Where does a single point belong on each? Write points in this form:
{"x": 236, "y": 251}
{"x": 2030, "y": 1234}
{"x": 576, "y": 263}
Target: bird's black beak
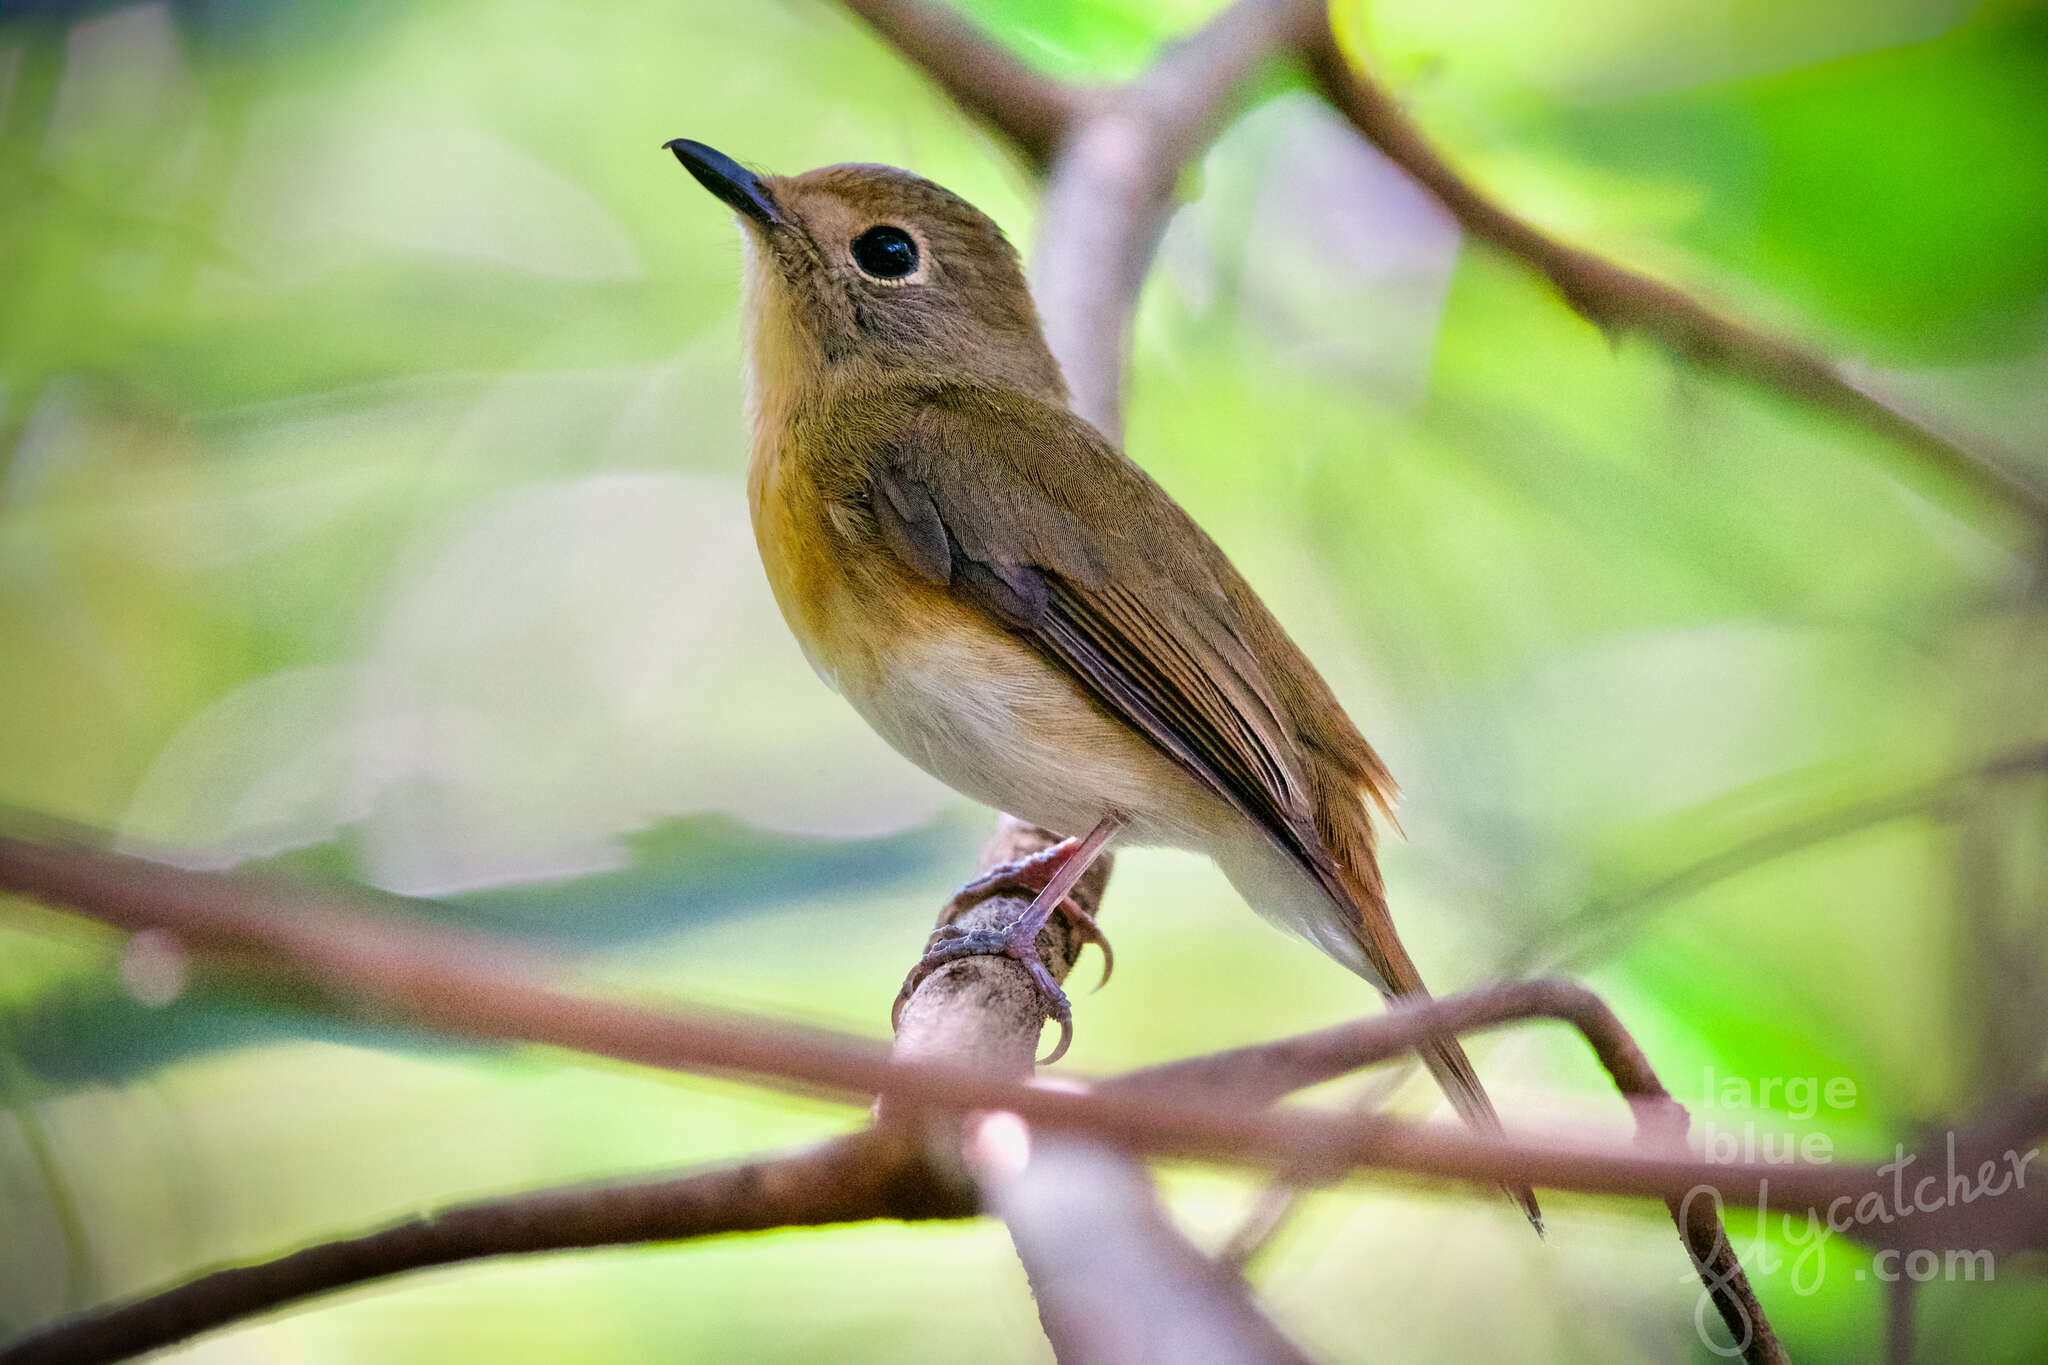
{"x": 739, "y": 187}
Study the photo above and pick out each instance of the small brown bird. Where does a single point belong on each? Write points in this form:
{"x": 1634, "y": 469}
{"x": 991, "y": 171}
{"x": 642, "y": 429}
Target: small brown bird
{"x": 1010, "y": 601}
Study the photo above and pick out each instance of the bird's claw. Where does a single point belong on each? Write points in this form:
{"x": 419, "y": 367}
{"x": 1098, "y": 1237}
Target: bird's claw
{"x": 950, "y": 943}
{"x": 1030, "y": 875}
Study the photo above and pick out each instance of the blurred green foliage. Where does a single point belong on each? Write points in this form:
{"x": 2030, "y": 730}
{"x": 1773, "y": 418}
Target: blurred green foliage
{"x": 369, "y": 502}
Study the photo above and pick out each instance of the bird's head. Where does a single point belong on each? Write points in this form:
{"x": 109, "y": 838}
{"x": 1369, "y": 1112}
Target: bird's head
{"x": 871, "y": 273}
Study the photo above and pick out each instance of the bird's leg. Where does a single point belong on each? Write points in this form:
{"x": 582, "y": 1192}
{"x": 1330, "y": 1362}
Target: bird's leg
{"x": 1050, "y": 874}
{"x": 1033, "y": 874}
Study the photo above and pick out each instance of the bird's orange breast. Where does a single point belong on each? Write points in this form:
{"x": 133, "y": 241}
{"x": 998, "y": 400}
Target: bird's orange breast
{"x": 841, "y": 609}
{"x": 863, "y": 620}
{"x": 952, "y": 690}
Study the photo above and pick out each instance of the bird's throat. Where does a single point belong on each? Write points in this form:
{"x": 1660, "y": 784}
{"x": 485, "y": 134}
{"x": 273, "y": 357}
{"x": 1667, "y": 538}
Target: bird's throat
{"x": 783, "y": 358}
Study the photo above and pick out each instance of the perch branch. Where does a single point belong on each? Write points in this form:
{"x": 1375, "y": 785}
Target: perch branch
{"x": 970, "y": 1013}
{"x": 1170, "y": 1111}
{"x": 977, "y": 1012}
{"x": 432, "y": 976}
{"x": 587, "y": 1216}
{"x": 882, "y": 1172}
{"x": 1116, "y": 1283}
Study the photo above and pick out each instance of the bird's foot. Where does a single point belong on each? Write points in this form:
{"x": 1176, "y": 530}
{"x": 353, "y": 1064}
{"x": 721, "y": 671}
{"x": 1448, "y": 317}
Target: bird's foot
{"x": 1049, "y": 876}
{"x": 1031, "y": 875}
{"x": 950, "y": 943}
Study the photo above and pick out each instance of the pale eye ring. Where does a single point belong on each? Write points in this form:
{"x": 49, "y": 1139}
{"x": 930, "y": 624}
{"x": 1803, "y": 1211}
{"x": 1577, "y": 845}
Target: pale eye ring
{"x": 885, "y": 253}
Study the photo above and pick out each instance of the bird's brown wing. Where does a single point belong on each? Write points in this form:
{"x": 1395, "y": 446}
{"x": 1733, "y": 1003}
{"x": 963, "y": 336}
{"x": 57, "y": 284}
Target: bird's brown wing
{"x": 1026, "y": 512}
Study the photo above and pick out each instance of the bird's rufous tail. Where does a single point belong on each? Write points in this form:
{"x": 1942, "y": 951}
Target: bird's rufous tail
{"x": 1358, "y": 880}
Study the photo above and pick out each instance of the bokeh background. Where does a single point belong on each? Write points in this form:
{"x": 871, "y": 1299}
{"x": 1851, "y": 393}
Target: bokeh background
{"x": 370, "y": 505}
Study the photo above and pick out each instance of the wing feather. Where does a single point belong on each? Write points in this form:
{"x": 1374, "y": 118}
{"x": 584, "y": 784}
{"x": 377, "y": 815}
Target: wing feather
{"x": 1017, "y": 504}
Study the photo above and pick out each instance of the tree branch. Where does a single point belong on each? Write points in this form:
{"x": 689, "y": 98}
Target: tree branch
{"x": 840, "y": 1181}
{"x": 431, "y": 976}
{"x": 1170, "y": 1111}
{"x": 1110, "y": 189}
{"x": 1179, "y": 1109}
{"x": 1116, "y": 1282}
{"x": 970, "y": 1013}
{"x": 877, "y": 1174}
{"x": 1030, "y": 110}
{"x": 1267, "y": 1071}
{"x": 1113, "y": 157}
{"x": 978, "y": 1016}
{"x": 1616, "y": 299}
{"x": 1575, "y": 938}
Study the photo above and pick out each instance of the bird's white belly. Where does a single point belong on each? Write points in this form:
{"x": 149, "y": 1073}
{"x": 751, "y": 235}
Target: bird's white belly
{"x": 995, "y": 721}
{"x": 992, "y": 719}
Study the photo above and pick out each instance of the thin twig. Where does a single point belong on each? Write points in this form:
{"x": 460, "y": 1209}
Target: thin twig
{"x": 839, "y": 1181}
{"x": 1898, "y": 1321}
{"x": 1574, "y": 939}
{"x": 1268, "y": 1070}
{"x": 1129, "y": 146}
{"x": 56, "y": 1185}
{"x": 1031, "y": 111}
{"x": 1278, "y": 1201}
{"x": 1617, "y": 299}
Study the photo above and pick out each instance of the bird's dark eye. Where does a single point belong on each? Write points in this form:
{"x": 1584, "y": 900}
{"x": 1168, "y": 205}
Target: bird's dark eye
{"x": 887, "y": 253}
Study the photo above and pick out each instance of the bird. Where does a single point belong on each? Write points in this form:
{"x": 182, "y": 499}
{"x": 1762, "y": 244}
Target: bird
{"x": 1013, "y": 603}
